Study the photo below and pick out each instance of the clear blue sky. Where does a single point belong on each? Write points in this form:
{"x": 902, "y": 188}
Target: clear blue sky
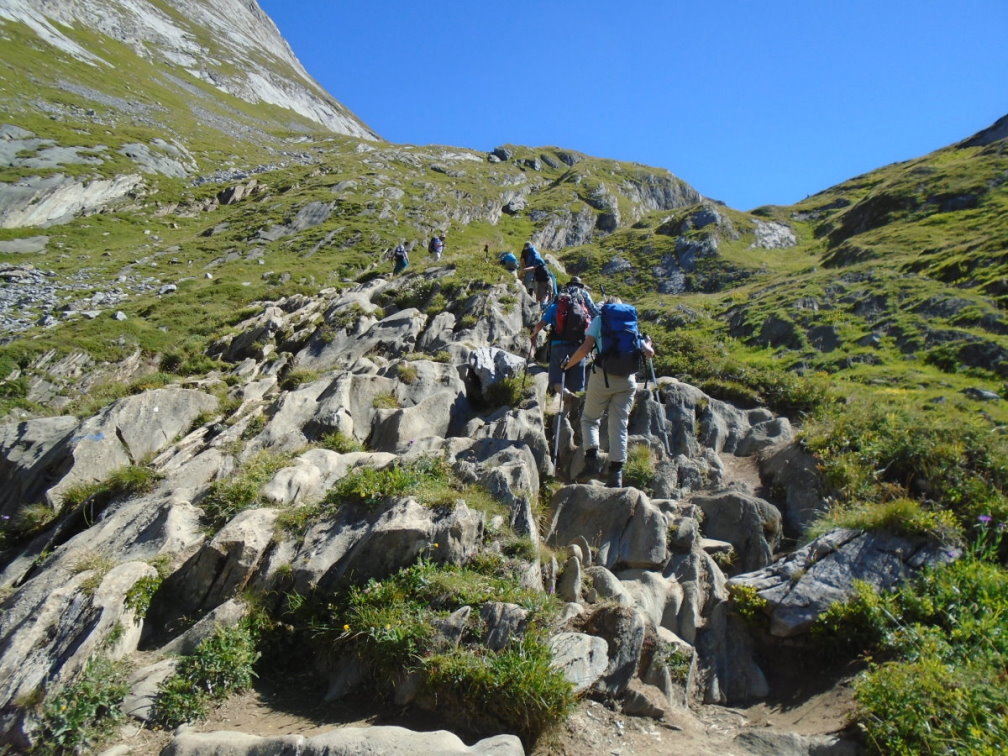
{"x": 750, "y": 102}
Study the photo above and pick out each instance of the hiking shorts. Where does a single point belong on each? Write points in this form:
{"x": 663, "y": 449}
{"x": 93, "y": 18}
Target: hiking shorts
{"x": 574, "y": 378}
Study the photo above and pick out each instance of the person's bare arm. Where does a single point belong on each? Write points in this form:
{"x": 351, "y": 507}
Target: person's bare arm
{"x": 582, "y": 351}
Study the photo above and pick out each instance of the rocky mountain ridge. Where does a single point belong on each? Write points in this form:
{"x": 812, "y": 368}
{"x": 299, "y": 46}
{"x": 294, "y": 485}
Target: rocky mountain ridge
{"x": 232, "y": 45}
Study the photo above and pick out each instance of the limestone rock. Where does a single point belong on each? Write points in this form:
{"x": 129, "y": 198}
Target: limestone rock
{"x": 621, "y": 524}
{"x": 802, "y": 585}
{"x": 582, "y": 658}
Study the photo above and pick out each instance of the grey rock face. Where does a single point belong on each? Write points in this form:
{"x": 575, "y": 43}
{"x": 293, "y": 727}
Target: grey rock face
{"x": 802, "y": 585}
{"x": 750, "y": 524}
{"x": 773, "y": 235}
{"x": 582, "y": 658}
{"x": 620, "y": 523}
{"x": 53, "y": 624}
{"x": 174, "y": 38}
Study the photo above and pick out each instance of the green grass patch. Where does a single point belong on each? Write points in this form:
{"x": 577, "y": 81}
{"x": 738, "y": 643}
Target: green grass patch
{"x": 639, "y": 468}
{"x": 937, "y": 649}
{"x": 221, "y": 664}
{"x": 227, "y": 497}
{"x": 85, "y": 712}
{"x": 389, "y": 624}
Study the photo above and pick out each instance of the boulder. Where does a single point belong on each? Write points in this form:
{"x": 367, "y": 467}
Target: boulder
{"x": 750, "y": 524}
{"x": 54, "y": 623}
{"x": 620, "y": 524}
{"x": 31, "y": 455}
{"x": 802, "y": 585}
{"x": 787, "y": 467}
{"x": 362, "y": 543}
{"x": 126, "y": 432}
{"x": 219, "y": 571}
{"x": 343, "y": 741}
{"x": 623, "y": 630}
{"x": 582, "y": 658}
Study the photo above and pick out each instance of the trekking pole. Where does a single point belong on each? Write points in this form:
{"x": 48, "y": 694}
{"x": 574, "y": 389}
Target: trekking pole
{"x": 559, "y": 417}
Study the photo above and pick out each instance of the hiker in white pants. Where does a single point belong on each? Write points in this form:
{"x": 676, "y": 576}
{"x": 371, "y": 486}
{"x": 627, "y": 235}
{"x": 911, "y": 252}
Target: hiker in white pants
{"x": 606, "y": 392}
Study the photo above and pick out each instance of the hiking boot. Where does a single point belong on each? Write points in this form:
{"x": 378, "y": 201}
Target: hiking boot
{"x": 615, "y": 478}
{"x": 592, "y": 469}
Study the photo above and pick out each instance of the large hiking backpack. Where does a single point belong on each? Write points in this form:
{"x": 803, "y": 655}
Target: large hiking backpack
{"x": 509, "y": 261}
{"x": 621, "y": 339}
{"x": 572, "y": 316}
{"x": 433, "y": 244}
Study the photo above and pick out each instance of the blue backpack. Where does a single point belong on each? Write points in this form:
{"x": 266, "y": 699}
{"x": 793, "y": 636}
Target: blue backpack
{"x": 621, "y": 339}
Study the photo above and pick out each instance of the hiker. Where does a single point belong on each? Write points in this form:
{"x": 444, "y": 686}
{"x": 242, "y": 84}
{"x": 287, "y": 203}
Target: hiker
{"x": 538, "y": 281}
{"x": 592, "y": 307}
{"x": 400, "y": 260}
{"x": 509, "y": 261}
{"x": 567, "y": 316}
{"x": 618, "y": 347}
{"x": 436, "y": 246}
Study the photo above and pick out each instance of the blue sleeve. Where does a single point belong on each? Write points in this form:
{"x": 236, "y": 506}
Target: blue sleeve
{"x": 549, "y": 315}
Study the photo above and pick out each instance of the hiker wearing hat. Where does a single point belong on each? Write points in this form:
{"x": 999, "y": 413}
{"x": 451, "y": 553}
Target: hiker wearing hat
{"x": 619, "y": 349}
{"x": 592, "y": 307}
{"x": 567, "y": 317}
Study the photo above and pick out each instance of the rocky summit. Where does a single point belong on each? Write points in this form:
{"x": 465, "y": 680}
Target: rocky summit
{"x": 260, "y": 492}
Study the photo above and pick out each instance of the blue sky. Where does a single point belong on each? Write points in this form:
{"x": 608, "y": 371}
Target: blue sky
{"x": 750, "y": 102}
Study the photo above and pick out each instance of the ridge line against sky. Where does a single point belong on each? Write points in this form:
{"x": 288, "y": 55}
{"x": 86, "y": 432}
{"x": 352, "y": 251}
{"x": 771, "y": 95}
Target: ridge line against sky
{"x": 751, "y": 103}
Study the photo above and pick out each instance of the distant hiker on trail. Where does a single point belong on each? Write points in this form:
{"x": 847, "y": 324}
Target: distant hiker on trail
{"x": 509, "y": 261}
{"x": 400, "y": 260}
{"x": 538, "y": 281}
{"x": 436, "y": 246}
{"x": 619, "y": 349}
{"x": 568, "y": 317}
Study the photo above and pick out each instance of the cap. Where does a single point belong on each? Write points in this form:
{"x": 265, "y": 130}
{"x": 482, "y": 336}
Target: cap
{"x": 575, "y": 281}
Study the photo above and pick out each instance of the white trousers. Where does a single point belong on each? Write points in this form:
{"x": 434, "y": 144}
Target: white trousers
{"x": 618, "y": 400}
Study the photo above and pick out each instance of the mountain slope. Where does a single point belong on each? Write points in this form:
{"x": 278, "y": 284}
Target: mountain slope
{"x": 208, "y": 372}
{"x": 231, "y": 45}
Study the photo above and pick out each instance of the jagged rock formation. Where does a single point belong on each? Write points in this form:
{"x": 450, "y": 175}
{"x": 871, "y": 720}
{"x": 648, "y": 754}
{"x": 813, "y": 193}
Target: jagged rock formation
{"x": 256, "y": 64}
{"x": 639, "y": 572}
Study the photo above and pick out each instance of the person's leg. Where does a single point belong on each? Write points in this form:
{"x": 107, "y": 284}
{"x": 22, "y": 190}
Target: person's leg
{"x": 576, "y": 375}
{"x": 558, "y": 356}
{"x": 542, "y": 291}
{"x": 591, "y": 416}
{"x": 620, "y": 404}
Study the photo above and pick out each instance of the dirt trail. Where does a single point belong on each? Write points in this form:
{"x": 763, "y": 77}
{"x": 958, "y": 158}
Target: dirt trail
{"x": 591, "y": 729}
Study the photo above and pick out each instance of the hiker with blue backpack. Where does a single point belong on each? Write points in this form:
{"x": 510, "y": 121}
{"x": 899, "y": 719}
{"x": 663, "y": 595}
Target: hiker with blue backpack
{"x": 619, "y": 349}
{"x": 538, "y": 280}
{"x": 509, "y": 261}
{"x": 436, "y": 247}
